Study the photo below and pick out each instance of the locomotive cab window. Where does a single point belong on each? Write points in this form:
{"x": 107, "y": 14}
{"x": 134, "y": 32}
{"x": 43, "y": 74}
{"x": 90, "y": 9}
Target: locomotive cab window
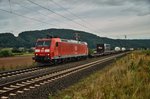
{"x": 43, "y": 43}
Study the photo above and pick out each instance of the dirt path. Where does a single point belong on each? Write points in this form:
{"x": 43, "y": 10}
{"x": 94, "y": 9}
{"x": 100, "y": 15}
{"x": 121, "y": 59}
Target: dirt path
{"x": 16, "y": 61}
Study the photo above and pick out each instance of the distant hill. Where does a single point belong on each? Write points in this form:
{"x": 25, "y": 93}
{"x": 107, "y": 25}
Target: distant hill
{"x": 28, "y": 39}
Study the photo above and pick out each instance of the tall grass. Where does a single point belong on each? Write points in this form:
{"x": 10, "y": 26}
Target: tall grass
{"x": 147, "y": 52}
{"x": 127, "y": 78}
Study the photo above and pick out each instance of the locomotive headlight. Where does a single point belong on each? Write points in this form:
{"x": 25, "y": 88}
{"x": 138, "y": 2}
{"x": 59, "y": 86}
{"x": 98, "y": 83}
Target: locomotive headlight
{"x": 47, "y": 50}
{"x": 37, "y": 50}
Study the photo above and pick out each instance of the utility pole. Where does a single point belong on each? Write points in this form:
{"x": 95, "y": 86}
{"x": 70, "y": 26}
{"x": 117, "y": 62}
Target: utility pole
{"x": 125, "y": 36}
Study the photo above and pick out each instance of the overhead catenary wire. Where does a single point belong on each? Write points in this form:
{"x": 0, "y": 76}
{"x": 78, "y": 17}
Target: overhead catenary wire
{"x": 128, "y": 34}
{"x": 40, "y": 13}
{"x": 10, "y": 6}
{"x": 54, "y": 12}
{"x": 54, "y": 2}
{"x": 69, "y": 11}
{"x": 59, "y": 14}
{"x": 66, "y": 10}
{"x": 44, "y": 15}
{"x": 38, "y": 20}
{"x": 33, "y": 19}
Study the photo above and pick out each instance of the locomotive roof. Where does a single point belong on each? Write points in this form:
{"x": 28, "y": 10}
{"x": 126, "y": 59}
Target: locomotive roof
{"x": 65, "y": 40}
{"x": 73, "y": 41}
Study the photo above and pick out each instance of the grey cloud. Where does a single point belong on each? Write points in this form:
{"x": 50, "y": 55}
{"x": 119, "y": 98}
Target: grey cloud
{"x": 110, "y": 2}
{"x": 139, "y": 1}
{"x": 101, "y": 2}
{"x": 140, "y": 10}
{"x": 106, "y": 2}
{"x": 143, "y": 13}
{"x": 93, "y": 11}
{"x": 118, "y": 2}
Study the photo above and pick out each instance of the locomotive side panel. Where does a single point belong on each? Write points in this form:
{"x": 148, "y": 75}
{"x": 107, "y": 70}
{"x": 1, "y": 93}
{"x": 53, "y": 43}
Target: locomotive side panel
{"x": 65, "y": 49}
{"x": 54, "y": 49}
{"x": 82, "y": 49}
{"x": 71, "y": 50}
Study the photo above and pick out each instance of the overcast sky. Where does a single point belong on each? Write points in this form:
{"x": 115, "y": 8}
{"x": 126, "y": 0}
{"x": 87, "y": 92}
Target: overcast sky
{"x": 107, "y": 18}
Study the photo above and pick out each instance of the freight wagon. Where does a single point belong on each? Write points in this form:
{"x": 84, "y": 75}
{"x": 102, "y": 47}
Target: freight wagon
{"x": 103, "y": 49}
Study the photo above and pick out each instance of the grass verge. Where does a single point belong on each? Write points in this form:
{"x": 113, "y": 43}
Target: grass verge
{"x": 127, "y": 78}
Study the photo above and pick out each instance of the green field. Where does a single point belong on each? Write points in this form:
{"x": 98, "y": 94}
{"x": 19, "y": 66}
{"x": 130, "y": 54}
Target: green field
{"x": 126, "y": 78}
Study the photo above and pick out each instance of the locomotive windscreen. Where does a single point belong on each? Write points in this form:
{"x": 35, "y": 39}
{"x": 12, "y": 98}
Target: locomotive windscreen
{"x": 43, "y": 43}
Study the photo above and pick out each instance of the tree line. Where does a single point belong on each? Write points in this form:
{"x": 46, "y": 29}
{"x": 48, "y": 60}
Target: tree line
{"x": 28, "y": 38}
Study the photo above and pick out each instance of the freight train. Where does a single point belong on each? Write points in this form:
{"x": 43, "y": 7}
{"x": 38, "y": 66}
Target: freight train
{"x": 57, "y": 50}
{"x": 103, "y": 49}
{"x": 54, "y": 50}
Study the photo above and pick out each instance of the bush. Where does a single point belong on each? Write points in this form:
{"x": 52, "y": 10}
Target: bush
{"x": 30, "y": 50}
{"x": 91, "y": 51}
{"x": 5, "y": 53}
{"x": 147, "y": 52}
{"x": 15, "y": 50}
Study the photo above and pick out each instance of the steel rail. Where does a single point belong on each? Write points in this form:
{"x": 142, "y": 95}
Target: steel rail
{"x": 31, "y": 82}
{"x": 19, "y": 71}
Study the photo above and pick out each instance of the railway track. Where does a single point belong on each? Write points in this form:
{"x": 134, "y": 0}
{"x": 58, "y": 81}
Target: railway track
{"x": 9, "y": 74}
{"x": 25, "y": 84}
{"x": 19, "y": 71}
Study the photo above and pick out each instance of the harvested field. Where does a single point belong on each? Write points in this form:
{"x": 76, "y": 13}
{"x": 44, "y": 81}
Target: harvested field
{"x": 9, "y": 63}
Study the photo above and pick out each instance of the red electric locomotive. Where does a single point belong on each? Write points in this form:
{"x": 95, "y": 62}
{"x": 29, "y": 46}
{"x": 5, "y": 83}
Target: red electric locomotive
{"x": 55, "y": 50}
